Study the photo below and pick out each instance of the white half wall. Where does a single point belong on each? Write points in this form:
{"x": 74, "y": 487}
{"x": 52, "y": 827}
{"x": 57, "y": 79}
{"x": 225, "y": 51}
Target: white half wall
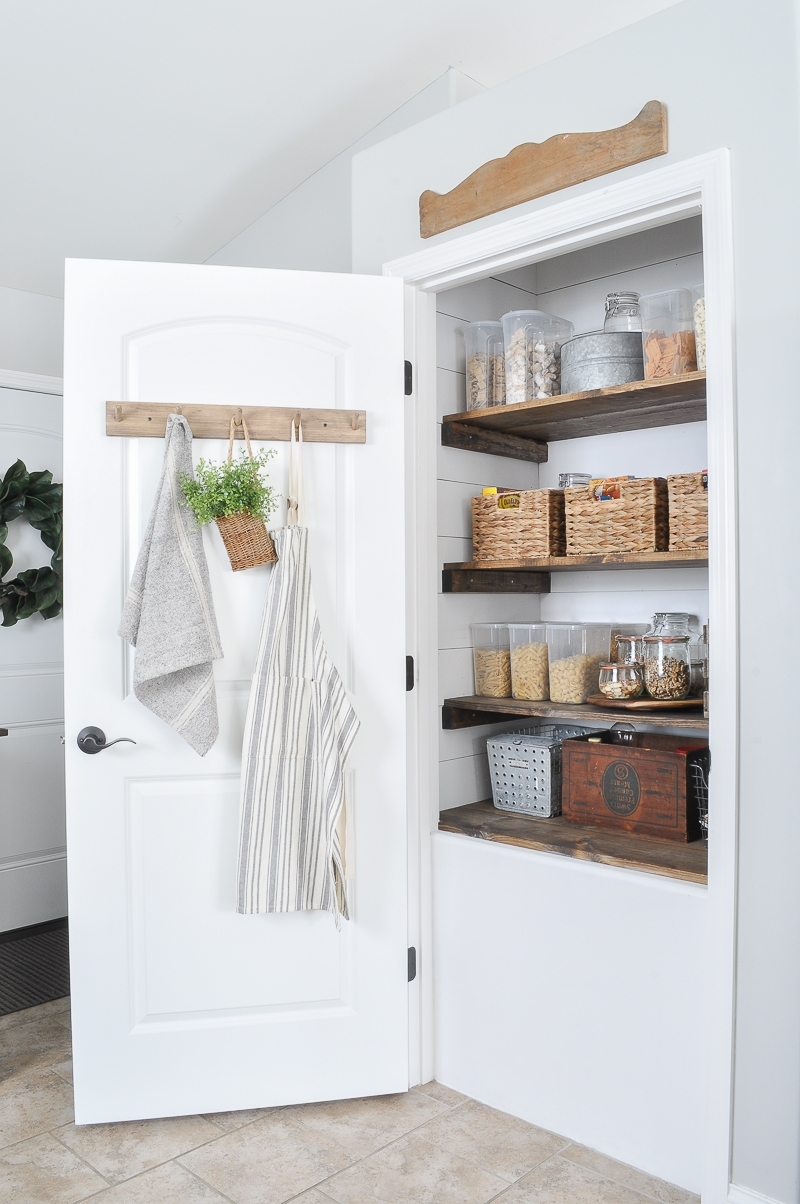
{"x": 567, "y": 993}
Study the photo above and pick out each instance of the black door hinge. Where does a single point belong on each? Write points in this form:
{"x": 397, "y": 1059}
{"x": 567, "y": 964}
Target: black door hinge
{"x": 409, "y": 673}
{"x": 412, "y": 964}
{"x": 409, "y": 378}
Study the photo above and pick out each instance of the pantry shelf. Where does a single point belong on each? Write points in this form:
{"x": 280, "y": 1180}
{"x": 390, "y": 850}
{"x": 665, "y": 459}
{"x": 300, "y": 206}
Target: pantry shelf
{"x": 475, "y": 710}
{"x": 522, "y": 431}
{"x": 628, "y": 850}
{"x": 529, "y": 575}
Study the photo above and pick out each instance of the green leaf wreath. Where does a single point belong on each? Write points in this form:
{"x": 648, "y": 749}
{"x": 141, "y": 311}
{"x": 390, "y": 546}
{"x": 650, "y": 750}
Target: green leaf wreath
{"x": 34, "y": 496}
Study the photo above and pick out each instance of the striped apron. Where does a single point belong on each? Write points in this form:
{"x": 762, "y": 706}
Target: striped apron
{"x": 299, "y": 730}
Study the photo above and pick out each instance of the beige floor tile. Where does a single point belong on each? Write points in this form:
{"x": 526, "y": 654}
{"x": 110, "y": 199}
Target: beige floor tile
{"x": 562, "y": 1182}
{"x": 120, "y": 1151}
{"x": 167, "y": 1184}
{"x": 411, "y": 1171}
{"x": 499, "y": 1143}
{"x": 269, "y": 1161}
{"x": 64, "y": 1070}
{"x": 40, "y": 1042}
{"x": 54, "y": 1007}
{"x": 648, "y": 1185}
{"x": 228, "y": 1121}
{"x": 365, "y": 1125}
{"x": 41, "y": 1171}
{"x": 314, "y": 1196}
{"x": 33, "y": 1103}
{"x": 438, "y": 1091}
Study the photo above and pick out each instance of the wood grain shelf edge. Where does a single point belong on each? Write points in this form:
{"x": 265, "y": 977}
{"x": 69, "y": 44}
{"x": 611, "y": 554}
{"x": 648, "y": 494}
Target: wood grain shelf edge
{"x": 477, "y": 710}
{"x": 624, "y": 850}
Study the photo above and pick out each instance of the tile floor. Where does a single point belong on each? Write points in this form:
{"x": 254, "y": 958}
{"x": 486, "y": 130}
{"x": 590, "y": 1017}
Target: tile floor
{"x": 428, "y": 1146}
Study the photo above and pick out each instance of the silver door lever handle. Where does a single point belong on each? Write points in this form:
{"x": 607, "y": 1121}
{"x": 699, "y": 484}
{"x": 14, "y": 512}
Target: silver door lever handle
{"x": 93, "y": 740}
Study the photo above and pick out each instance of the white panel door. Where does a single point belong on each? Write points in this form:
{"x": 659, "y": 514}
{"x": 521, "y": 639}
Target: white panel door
{"x": 180, "y": 1005}
{"x": 33, "y": 877}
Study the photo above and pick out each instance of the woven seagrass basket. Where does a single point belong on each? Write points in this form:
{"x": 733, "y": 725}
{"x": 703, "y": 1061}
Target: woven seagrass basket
{"x": 513, "y": 526}
{"x": 635, "y": 522}
{"x": 247, "y": 541}
{"x": 688, "y": 511}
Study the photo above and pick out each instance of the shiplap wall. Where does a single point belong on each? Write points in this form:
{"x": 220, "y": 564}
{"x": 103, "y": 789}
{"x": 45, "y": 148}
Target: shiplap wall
{"x": 574, "y": 287}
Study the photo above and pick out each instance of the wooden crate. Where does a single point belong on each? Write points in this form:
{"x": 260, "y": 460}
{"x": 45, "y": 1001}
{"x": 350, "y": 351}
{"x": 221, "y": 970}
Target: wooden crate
{"x": 637, "y": 521}
{"x": 512, "y": 526}
{"x": 642, "y": 785}
{"x": 688, "y": 511}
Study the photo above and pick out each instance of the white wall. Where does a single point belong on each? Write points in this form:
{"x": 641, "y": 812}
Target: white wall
{"x": 729, "y": 79}
{"x": 310, "y": 229}
{"x": 31, "y": 332}
{"x": 33, "y": 881}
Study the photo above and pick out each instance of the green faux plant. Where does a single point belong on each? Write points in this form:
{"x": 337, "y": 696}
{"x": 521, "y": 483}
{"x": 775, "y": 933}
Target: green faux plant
{"x": 233, "y": 487}
{"x": 34, "y": 496}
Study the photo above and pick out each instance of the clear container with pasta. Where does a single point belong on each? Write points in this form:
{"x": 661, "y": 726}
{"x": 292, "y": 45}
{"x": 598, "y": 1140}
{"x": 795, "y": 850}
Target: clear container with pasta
{"x": 486, "y": 365}
{"x": 530, "y": 677}
{"x": 491, "y": 659}
{"x": 576, "y": 652}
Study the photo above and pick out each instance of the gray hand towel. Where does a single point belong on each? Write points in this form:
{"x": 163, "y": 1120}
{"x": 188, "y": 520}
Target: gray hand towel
{"x": 169, "y": 612}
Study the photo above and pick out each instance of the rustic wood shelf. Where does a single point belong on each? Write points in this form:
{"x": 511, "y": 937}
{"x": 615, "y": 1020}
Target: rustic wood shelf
{"x": 484, "y": 822}
{"x": 531, "y": 575}
{"x": 523, "y": 430}
{"x": 475, "y": 710}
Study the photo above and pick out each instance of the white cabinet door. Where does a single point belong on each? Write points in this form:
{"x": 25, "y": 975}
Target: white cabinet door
{"x": 180, "y": 1005}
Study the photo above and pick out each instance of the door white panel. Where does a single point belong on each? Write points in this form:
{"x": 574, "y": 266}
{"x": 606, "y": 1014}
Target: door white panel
{"x": 166, "y": 975}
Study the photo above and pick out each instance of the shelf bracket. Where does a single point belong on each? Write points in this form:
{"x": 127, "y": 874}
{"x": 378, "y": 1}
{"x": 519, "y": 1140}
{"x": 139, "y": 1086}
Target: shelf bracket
{"x": 493, "y": 443}
{"x": 494, "y": 581}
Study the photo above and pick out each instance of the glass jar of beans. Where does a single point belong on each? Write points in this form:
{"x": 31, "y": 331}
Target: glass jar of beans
{"x": 667, "y": 668}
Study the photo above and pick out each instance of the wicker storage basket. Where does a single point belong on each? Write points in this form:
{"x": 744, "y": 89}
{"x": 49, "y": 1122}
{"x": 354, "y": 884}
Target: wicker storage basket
{"x": 247, "y": 541}
{"x": 512, "y": 526}
{"x": 688, "y": 511}
{"x": 635, "y": 522}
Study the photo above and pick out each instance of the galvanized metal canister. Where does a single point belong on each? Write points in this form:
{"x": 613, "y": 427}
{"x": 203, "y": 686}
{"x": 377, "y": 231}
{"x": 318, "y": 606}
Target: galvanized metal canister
{"x": 600, "y": 360}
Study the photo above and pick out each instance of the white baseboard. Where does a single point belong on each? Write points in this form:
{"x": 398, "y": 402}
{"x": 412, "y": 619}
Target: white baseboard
{"x": 745, "y": 1195}
{"x": 31, "y": 382}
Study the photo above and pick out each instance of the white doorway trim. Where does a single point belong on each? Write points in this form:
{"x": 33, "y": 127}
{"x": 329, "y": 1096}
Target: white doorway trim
{"x": 31, "y": 382}
{"x": 652, "y": 198}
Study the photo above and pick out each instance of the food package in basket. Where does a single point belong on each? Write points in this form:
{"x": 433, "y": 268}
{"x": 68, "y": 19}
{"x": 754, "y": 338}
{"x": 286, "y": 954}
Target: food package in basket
{"x": 515, "y": 525}
{"x": 636, "y": 521}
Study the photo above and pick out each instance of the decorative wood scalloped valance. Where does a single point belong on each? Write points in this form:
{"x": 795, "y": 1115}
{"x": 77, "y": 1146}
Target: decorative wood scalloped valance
{"x": 535, "y": 169}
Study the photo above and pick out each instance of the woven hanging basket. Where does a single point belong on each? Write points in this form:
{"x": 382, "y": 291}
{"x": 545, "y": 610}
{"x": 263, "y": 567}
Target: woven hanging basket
{"x": 246, "y": 538}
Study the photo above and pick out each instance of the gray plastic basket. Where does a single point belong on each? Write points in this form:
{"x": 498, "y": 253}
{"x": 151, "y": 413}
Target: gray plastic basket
{"x": 525, "y": 768}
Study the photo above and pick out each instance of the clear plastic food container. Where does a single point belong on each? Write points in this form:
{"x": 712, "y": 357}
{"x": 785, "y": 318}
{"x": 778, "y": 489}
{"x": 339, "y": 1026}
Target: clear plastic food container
{"x": 576, "y": 652}
{"x": 491, "y": 659}
{"x": 699, "y": 316}
{"x": 667, "y": 671}
{"x": 530, "y": 678}
{"x": 621, "y": 681}
{"x": 668, "y": 334}
{"x": 533, "y": 353}
{"x": 486, "y": 366}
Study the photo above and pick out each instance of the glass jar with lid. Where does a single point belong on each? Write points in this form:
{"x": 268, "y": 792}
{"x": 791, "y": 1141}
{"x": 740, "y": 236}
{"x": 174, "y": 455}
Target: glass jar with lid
{"x": 670, "y": 622}
{"x": 630, "y": 649}
{"x": 621, "y": 681}
{"x": 667, "y": 670}
{"x": 622, "y": 312}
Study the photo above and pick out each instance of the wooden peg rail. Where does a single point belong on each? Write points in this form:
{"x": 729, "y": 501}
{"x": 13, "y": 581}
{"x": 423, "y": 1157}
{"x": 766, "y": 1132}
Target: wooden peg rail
{"x": 138, "y": 419}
